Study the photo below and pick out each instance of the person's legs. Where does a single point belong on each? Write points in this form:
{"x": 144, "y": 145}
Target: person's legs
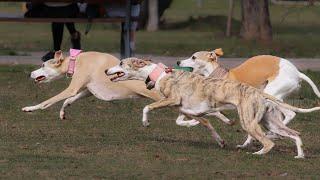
{"x": 75, "y": 35}
{"x": 57, "y": 35}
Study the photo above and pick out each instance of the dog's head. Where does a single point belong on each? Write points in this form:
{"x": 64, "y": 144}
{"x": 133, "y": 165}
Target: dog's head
{"x": 131, "y": 69}
{"x": 202, "y": 62}
{"x": 50, "y": 70}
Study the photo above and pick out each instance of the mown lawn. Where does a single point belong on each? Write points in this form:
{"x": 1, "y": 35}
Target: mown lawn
{"x": 188, "y": 28}
{"x": 106, "y": 139}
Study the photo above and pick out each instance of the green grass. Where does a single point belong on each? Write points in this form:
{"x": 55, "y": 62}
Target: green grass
{"x": 106, "y": 139}
{"x": 188, "y": 28}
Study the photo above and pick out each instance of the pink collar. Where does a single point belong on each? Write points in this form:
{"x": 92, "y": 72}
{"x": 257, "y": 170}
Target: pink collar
{"x": 72, "y": 61}
{"x": 154, "y": 75}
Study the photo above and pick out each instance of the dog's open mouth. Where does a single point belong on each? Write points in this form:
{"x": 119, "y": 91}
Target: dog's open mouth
{"x": 40, "y": 78}
{"x": 118, "y": 75}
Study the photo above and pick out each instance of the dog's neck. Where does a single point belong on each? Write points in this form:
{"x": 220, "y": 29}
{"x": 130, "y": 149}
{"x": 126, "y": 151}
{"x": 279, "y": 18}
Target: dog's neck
{"x": 64, "y": 65}
{"x": 219, "y": 72}
{"x": 154, "y": 74}
{"x": 208, "y": 69}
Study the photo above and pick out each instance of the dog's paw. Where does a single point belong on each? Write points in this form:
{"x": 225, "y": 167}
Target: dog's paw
{"x": 299, "y": 157}
{"x": 27, "y": 109}
{"x": 222, "y": 144}
{"x": 145, "y": 123}
{"x": 241, "y": 146}
{"x": 62, "y": 115}
{"x": 260, "y": 152}
{"x": 231, "y": 122}
{"x": 192, "y": 123}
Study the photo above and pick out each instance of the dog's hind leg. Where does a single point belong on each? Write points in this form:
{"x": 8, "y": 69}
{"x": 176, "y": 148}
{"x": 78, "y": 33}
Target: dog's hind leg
{"x": 69, "y": 101}
{"x": 250, "y": 124}
{"x": 222, "y": 117}
{"x": 279, "y": 128}
{"x": 246, "y": 143}
{"x": 288, "y": 115}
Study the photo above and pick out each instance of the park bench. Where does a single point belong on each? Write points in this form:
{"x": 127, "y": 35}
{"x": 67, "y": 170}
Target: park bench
{"x": 125, "y": 50}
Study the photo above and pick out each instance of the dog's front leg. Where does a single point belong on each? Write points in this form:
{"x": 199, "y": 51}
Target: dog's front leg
{"x": 189, "y": 123}
{"x": 156, "y": 105}
{"x": 69, "y": 101}
{"x": 209, "y": 126}
{"x": 69, "y": 92}
{"x": 222, "y": 117}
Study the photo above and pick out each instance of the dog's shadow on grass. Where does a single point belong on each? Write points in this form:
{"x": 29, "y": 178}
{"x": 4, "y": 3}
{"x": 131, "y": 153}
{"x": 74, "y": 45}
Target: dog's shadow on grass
{"x": 255, "y": 146}
{"x": 191, "y": 143}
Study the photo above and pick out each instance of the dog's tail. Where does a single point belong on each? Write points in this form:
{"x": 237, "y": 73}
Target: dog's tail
{"x": 310, "y": 82}
{"x": 288, "y": 106}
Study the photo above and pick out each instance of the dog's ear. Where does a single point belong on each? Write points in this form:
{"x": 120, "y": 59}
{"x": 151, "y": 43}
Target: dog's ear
{"x": 58, "y": 56}
{"x": 147, "y": 61}
{"x": 139, "y": 63}
{"x": 218, "y": 52}
{"x": 212, "y": 56}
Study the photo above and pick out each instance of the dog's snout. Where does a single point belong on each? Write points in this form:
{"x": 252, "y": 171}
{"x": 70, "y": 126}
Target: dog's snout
{"x": 106, "y": 71}
{"x": 178, "y": 63}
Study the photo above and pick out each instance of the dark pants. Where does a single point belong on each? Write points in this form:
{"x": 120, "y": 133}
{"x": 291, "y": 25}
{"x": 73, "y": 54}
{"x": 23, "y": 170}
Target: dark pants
{"x": 69, "y": 11}
{"x": 57, "y": 33}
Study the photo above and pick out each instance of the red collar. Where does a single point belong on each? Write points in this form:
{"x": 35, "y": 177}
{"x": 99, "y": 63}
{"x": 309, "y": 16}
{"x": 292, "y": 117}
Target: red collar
{"x": 72, "y": 61}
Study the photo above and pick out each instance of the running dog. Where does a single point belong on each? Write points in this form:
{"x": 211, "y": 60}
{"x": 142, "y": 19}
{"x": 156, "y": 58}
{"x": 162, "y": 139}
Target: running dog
{"x": 89, "y": 79}
{"x": 198, "y": 96}
{"x": 276, "y": 76}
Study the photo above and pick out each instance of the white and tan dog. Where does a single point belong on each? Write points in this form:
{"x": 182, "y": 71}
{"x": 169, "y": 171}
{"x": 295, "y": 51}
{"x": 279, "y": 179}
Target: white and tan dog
{"x": 197, "y": 96}
{"x": 276, "y": 76}
{"x": 88, "y": 79}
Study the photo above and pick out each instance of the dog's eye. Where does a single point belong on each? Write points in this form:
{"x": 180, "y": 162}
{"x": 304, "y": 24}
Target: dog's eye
{"x": 121, "y": 63}
{"x": 193, "y": 57}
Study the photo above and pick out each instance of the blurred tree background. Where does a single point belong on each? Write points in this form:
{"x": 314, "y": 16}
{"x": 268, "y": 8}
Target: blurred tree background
{"x": 242, "y": 28}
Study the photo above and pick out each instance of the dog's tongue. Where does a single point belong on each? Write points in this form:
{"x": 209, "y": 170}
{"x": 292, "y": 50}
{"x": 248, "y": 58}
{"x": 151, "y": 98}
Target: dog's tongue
{"x": 113, "y": 78}
{"x": 40, "y": 78}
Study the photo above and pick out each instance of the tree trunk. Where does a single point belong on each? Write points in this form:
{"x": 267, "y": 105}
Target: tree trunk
{"x": 256, "y": 20}
{"x": 265, "y": 24}
{"x": 153, "y": 20}
{"x": 230, "y": 14}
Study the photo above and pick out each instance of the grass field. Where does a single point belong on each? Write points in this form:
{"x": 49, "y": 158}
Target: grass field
{"x": 188, "y": 28}
{"x": 106, "y": 139}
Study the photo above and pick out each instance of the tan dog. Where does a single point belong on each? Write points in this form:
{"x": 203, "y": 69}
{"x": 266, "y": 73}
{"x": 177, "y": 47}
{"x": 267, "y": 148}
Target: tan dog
{"x": 198, "y": 96}
{"x": 89, "y": 79}
{"x": 276, "y": 76}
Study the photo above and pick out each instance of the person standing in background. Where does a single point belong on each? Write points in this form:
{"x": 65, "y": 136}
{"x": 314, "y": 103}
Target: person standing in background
{"x": 62, "y": 10}
{"x": 117, "y": 8}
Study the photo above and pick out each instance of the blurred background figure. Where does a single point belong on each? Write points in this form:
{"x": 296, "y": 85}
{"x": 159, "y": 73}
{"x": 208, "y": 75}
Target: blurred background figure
{"x": 57, "y": 10}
